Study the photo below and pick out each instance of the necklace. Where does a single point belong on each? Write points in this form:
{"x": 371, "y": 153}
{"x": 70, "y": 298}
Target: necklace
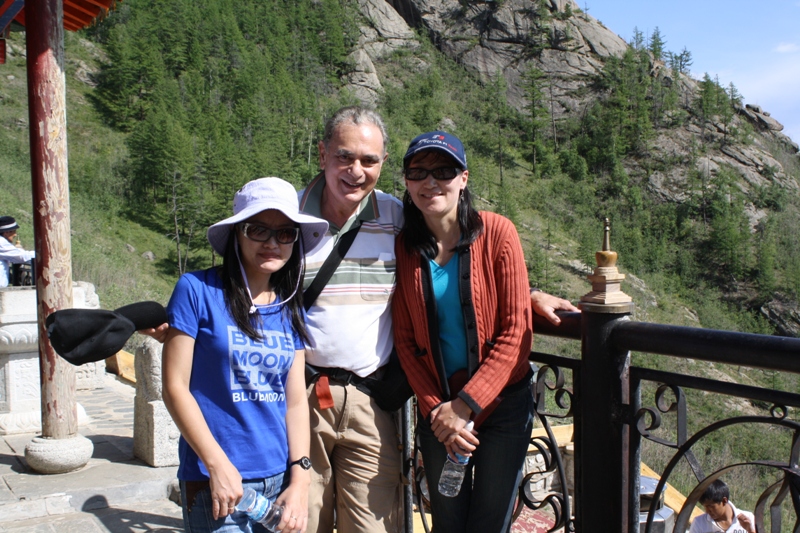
{"x": 719, "y": 523}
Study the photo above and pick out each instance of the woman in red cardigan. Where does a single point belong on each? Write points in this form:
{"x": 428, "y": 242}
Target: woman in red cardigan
{"x": 462, "y": 327}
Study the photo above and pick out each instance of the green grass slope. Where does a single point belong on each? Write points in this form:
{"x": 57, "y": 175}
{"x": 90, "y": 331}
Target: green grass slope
{"x": 107, "y": 247}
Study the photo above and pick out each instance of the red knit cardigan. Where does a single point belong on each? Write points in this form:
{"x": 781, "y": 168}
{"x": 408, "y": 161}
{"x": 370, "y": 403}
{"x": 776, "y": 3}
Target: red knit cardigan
{"x": 501, "y": 300}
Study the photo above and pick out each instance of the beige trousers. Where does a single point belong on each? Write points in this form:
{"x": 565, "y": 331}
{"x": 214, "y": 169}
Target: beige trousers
{"x": 356, "y": 457}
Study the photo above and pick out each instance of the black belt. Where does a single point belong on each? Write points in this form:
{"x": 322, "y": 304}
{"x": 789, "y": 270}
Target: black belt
{"x": 524, "y": 383}
{"x": 337, "y": 374}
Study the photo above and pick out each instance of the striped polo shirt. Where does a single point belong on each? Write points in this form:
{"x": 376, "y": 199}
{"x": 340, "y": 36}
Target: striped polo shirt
{"x": 350, "y": 323}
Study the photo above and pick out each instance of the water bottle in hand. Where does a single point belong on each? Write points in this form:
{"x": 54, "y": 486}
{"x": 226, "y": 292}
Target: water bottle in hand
{"x": 453, "y": 473}
{"x": 259, "y": 509}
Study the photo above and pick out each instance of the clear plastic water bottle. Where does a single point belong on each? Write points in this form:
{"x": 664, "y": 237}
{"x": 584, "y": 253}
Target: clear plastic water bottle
{"x": 259, "y": 509}
{"x": 453, "y": 473}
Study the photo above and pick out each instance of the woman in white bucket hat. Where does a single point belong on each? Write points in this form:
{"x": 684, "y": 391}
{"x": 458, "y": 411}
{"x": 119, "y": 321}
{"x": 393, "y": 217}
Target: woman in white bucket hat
{"x": 233, "y": 364}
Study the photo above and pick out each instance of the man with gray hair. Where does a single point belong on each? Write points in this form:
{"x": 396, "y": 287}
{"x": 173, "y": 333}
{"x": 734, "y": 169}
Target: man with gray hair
{"x": 355, "y": 451}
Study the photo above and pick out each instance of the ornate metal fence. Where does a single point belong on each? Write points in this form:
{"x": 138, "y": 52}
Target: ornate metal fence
{"x": 612, "y": 418}
{"x": 616, "y": 407}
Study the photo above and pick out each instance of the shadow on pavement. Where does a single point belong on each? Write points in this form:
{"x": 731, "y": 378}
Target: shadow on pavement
{"x": 13, "y": 463}
{"x": 119, "y": 520}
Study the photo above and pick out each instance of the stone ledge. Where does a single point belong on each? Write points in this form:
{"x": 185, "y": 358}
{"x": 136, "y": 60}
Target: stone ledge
{"x": 96, "y": 486}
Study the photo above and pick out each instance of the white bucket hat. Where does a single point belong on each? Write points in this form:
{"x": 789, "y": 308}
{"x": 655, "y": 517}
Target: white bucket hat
{"x": 262, "y": 194}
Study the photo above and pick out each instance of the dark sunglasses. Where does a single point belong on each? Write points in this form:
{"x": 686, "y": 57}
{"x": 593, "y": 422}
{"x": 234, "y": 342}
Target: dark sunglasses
{"x": 439, "y": 174}
{"x": 259, "y": 233}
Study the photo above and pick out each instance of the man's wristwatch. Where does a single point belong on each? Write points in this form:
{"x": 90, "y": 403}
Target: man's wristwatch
{"x": 304, "y": 462}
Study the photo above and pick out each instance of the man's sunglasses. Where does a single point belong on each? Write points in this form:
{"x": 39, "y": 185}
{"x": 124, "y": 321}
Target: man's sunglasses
{"x": 259, "y": 233}
{"x": 439, "y": 174}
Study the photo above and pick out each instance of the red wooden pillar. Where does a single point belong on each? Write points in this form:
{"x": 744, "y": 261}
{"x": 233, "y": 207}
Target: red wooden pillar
{"x": 48, "y": 130}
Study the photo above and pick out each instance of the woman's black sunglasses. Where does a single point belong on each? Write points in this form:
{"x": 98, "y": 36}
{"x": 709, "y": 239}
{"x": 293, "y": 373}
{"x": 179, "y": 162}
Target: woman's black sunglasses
{"x": 259, "y": 233}
{"x": 439, "y": 174}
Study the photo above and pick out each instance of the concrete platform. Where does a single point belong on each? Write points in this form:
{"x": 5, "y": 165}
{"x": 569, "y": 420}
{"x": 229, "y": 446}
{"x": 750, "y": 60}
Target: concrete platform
{"x": 113, "y": 492}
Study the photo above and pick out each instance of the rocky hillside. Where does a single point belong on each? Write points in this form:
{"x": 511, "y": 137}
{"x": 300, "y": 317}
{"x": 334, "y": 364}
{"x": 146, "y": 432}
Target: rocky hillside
{"x": 566, "y": 123}
{"x": 507, "y": 38}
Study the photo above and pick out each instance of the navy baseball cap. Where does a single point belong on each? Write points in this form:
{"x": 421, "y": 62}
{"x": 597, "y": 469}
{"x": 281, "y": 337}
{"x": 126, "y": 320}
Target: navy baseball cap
{"x": 437, "y": 140}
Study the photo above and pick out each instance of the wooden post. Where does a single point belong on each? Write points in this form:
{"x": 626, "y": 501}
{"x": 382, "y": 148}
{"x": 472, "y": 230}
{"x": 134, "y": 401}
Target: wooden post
{"x": 604, "y": 465}
{"x": 51, "y": 225}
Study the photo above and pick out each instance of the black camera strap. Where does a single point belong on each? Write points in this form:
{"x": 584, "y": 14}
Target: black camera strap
{"x": 329, "y": 266}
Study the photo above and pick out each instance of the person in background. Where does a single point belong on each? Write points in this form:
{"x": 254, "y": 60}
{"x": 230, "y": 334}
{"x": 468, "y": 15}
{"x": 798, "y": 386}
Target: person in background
{"x": 721, "y": 515}
{"x": 462, "y": 329}
{"x": 233, "y": 364}
{"x": 9, "y": 253}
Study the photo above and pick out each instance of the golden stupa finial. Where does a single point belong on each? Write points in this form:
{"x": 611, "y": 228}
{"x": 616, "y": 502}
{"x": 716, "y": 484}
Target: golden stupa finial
{"x": 607, "y": 280}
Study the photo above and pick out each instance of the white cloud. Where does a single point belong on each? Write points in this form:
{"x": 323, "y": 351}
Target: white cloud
{"x": 787, "y": 48}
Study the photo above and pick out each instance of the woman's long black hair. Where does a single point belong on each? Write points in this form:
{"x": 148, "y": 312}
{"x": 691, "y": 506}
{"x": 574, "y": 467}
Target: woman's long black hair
{"x": 416, "y": 235}
{"x": 283, "y": 282}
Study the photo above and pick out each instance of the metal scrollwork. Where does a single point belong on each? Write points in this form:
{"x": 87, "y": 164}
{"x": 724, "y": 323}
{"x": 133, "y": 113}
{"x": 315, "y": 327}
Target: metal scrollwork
{"x": 679, "y": 401}
{"x": 558, "y": 502}
{"x": 787, "y": 485}
{"x": 549, "y": 379}
{"x": 644, "y": 427}
{"x": 555, "y": 501}
{"x": 790, "y": 484}
{"x": 665, "y": 404}
{"x": 791, "y": 480}
{"x": 562, "y": 396}
{"x": 421, "y": 495}
{"x": 778, "y": 411}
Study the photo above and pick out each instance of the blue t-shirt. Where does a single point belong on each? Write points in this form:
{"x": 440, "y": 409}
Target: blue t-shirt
{"x": 452, "y": 331}
{"x": 238, "y": 383}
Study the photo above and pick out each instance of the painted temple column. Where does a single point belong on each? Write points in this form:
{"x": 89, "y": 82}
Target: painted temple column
{"x": 60, "y": 448}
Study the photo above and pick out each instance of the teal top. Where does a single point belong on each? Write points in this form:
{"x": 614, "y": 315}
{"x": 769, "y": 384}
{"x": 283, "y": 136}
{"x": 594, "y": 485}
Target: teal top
{"x": 452, "y": 331}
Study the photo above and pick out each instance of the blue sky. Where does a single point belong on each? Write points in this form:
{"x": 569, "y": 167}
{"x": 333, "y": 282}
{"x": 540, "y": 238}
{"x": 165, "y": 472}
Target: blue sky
{"x": 755, "y": 45}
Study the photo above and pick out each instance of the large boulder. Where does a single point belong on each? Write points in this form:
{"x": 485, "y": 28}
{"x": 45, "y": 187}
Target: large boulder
{"x": 784, "y": 314}
{"x": 362, "y": 80}
{"x": 760, "y": 118}
{"x": 493, "y": 38}
{"x": 600, "y": 40}
{"x": 384, "y": 32}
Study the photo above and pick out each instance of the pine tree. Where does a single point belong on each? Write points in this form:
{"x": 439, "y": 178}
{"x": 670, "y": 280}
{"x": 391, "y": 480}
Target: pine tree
{"x": 684, "y": 61}
{"x": 729, "y": 239}
{"x": 656, "y": 44}
{"x": 637, "y": 41}
{"x": 765, "y": 267}
{"x": 534, "y": 84}
{"x": 730, "y": 103}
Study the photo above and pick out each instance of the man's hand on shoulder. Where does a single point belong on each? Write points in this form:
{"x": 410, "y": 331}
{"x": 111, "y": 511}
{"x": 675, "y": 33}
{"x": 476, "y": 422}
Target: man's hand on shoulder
{"x": 546, "y": 305}
{"x": 159, "y": 333}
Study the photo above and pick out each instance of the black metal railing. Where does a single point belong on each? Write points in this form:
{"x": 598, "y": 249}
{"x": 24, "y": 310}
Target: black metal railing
{"x": 604, "y": 399}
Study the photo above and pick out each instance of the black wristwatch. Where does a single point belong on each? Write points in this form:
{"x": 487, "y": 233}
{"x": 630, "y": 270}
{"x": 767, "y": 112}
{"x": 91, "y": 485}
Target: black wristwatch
{"x": 304, "y": 462}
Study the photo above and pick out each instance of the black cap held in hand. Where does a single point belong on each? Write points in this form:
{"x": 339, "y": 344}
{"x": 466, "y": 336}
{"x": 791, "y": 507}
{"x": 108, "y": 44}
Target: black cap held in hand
{"x": 88, "y": 335}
